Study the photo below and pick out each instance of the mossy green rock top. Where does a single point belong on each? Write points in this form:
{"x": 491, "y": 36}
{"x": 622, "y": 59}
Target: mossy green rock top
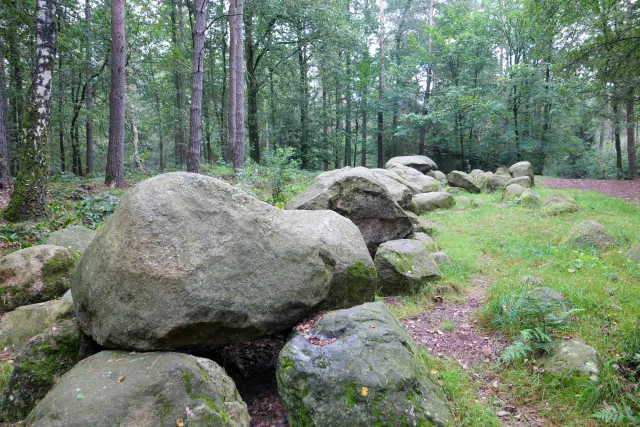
{"x": 75, "y": 238}
{"x": 420, "y": 163}
{"x": 45, "y": 358}
{"x": 404, "y": 266}
{"x": 633, "y": 253}
{"x": 114, "y": 388}
{"x": 360, "y": 195}
{"x": 491, "y": 183}
{"x": 35, "y": 274}
{"x": 512, "y": 192}
{"x": 188, "y": 260}
{"x": 590, "y": 234}
{"x": 559, "y": 203}
{"x": 463, "y": 180}
{"x": 358, "y": 367}
{"x": 571, "y": 356}
{"x": 24, "y": 323}
{"x": 530, "y": 199}
{"x": 427, "y": 202}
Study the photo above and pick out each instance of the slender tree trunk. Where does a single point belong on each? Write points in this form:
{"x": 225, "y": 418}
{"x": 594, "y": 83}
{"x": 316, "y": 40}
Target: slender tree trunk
{"x": 363, "y": 153}
{"x": 177, "y": 38}
{"x": 236, "y": 83}
{"x": 252, "y": 89}
{"x": 16, "y": 102}
{"x": 225, "y": 145}
{"x": 29, "y": 198}
{"x": 63, "y": 160}
{"x": 76, "y": 165}
{"x": 195, "y": 127}
{"x": 159, "y": 117}
{"x": 631, "y": 136}
{"x": 381, "y": 89}
{"x": 347, "y": 122}
{"x": 114, "y": 175}
{"x": 131, "y": 113}
{"x": 601, "y": 149}
{"x": 427, "y": 89}
{"x": 89, "y": 90}
{"x": 304, "y": 96}
{"x": 325, "y": 125}
{"x": 616, "y": 127}
{"x": 338, "y": 131}
{"x": 5, "y": 167}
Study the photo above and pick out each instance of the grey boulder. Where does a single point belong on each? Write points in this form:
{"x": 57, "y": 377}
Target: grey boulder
{"x": 492, "y": 183}
{"x": 420, "y": 163}
{"x": 358, "y": 367}
{"x": 74, "y": 238}
{"x": 440, "y": 176}
{"x": 589, "y": 234}
{"x": 359, "y": 195}
{"x": 572, "y": 356}
{"x": 426, "y": 240}
{"x": 530, "y": 199}
{"x": 525, "y": 181}
{"x": 463, "y": 180}
{"x": 114, "y": 388}
{"x": 427, "y": 202}
{"x": 522, "y": 169}
{"x": 559, "y": 203}
{"x": 512, "y": 192}
{"x": 404, "y": 266}
{"x": 188, "y": 260}
{"x": 441, "y": 258}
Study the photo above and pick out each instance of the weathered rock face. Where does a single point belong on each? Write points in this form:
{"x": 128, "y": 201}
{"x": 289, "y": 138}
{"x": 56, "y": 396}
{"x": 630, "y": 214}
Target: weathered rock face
{"x": 559, "y": 203}
{"x": 522, "y": 169}
{"x": 503, "y": 171}
{"x": 492, "y": 183}
{"x": 590, "y": 234}
{"x": 512, "y": 191}
{"x": 422, "y": 225}
{"x": 43, "y": 361}
{"x": 74, "y": 238}
{"x": 633, "y": 253}
{"x": 440, "y": 176}
{"x": 463, "y": 180}
{"x": 423, "y": 203}
{"x": 416, "y": 179}
{"x": 386, "y": 384}
{"x": 188, "y": 260}
{"x": 145, "y": 389}
{"x": 530, "y": 199}
{"x": 24, "y": 323}
{"x": 525, "y": 181}
{"x": 404, "y": 266}
{"x": 441, "y": 258}
{"x": 400, "y": 190}
{"x": 420, "y": 163}
{"x": 571, "y": 356}
{"x": 429, "y": 244}
{"x": 357, "y": 194}
{"x": 476, "y": 173}
{"x": 35, "y": 274}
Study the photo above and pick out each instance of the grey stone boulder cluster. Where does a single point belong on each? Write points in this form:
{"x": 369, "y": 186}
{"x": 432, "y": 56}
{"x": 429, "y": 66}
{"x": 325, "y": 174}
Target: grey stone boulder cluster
{"x": 188, "y": 262}
{"x": 589, "y": 234}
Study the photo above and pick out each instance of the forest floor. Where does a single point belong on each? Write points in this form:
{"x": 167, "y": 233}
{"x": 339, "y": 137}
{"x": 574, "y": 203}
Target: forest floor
{"x": 627, "y": 190}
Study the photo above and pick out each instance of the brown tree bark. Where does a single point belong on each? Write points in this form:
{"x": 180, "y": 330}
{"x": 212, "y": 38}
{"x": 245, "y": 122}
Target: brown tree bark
{"x": 618, "y": 144}
{"x": 236, "y": 83}
{"x": 177, "y": 38}
{"x": 131, "y": 116}
{"x": 252, "y": 87}
{"x": 89, "y": 91}
{"x": 381, "y": 89}
{"x": 5, "y": 168}
{"x": 427, "y": 89}
{"x": 195, "y": 119}
{"x": 303, "y": 67}
{"x": 29, "y": 198}
{"x": 601, "y": 149}
{"x": 114, "y": 175}
{"x": 631, "y": 136}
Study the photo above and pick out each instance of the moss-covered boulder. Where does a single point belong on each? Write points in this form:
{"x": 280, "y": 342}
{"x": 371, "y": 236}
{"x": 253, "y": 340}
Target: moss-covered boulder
{"x": 358, "y": 367}
{"x": 45, "y": 358}
{"x": 589, "y": 234}
{"x": 115, "y": 388}
{"x": 440, "y": 176}
{"x": 360, "y": 195}
{"x": 423, "y": 183}
{"x": 74, "y": 238}
{"x": 422, "y": 225}
{"x": 503, "y": 171}
{"x": 188, "y": 260}
{"x": 633, "y": 254}
{"x": 523, "y": 169}
{"x": 419, "y": 163}
{"x": 476, "y": 173}
{"x": 463, "y": 180}
{"x": 24, "y": 323}
{"x": 35, "y": 274}
{"x": 512, "y": 192}
{"x": 404, "y": 266}
{"x": 492, "y": 183}
{"x": 441, "y": 258}
{"x": 568, "y": 357}
{"x": 530, "y": 199}
{"x": 559, "y": 203}
{"x": 525, "y": 181}
{"x": 426, "y": 240}
{"x": 427, "y": 202}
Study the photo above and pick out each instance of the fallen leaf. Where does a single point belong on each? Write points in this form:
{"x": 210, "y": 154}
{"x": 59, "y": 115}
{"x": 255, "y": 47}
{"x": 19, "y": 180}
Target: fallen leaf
{"x": 373, "y": 326}
{"x": 365, "y": 391}
{"x": 179, "y": 422}
{"x": 121, "y": 379}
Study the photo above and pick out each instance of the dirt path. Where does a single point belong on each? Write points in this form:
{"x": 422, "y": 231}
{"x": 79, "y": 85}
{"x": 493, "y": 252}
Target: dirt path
{"x": 627, "y": 190}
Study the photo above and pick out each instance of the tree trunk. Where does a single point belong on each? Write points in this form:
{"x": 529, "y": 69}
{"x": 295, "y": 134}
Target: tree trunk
{"x": 177, "y": 38}
{"x": 76, "y": 165}
{"x": 5, "y": 168}
{"x": 631, "y": 136}
{"x": 304, "y": 96}
{"x": 381, "y": 89}
{"x": 29, "y": 198}
{"x": 114, "y": 175}
{"x": 601, "y": 149}
{"x": 63, "y": 160}
{"x": 134, "y": 128}
{"x": 616, "y": 127}
{"x": 252, "y": 89}
{"x": 427, "y": 89}
{"x": 16, "y": 101}
{"x": 236, "y": 83}
{"x": 363, "y": 153}
{"x": 195, "y": 120}
{"x": 89, "y": 91}
{"x": 347, "y": 122}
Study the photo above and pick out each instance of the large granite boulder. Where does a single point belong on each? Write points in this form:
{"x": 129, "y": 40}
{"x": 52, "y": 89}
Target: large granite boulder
{"x": 512, "y": 192}
{"x": 358, "y": 367}
{"x": 423, "y": 183}
{"x": 43, "y": 361}
{"x": 400, "y": 190}
{"x": 492, "y": 183}
{"x": 440, "y": 176}
{"x": 476, "y": 173}
{"x": 633, "y": 254}
{"x": 568, "y": 357}
{"x": 426, "y": 240}
{"x": 74, "y": 238}
{"x": 463, "y": 180}
{"x": 404, "y": 266}
{"x": 427, "y": 202}
{"x": 522, "y": 169}
{"x": 530, "y": 199}
{"x": 420, "y": 163}
{"x": 35, "y": 274}
{"x": 360, "y": 195}
{"x": 503, "y": 171}
{"x": 589, "y": 234}
{"x": 188, "y": 260}
{"x": 422, "y": 225}
{"x": 24, "y": 323}
{"x": 116, "y": 388}
{"x": 525, "y": 181}
{"x": 559, "y": 203}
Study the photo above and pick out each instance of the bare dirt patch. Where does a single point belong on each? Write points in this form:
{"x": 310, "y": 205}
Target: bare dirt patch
{"x": 626, "y": 190}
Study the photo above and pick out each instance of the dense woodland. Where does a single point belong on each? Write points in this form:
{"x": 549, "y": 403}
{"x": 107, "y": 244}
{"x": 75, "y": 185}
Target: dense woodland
{"x": 175, "y": 84}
